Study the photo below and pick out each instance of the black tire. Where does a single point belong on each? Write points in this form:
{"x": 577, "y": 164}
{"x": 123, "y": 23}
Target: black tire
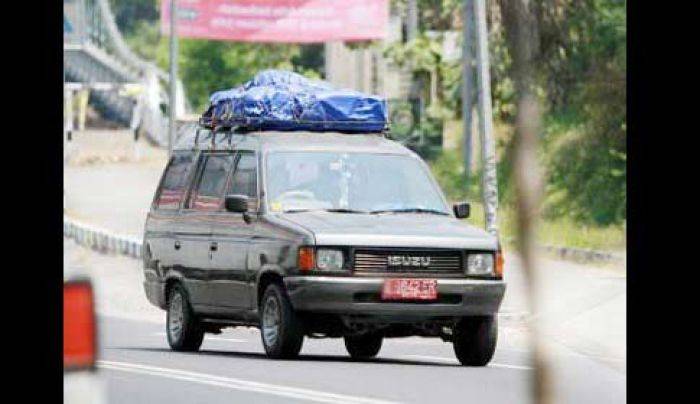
{"x": 364, "y": 347}
{"x": 188, "y": 337}
{"x": 289, "y": 335}
{"x": 475, "y": 340}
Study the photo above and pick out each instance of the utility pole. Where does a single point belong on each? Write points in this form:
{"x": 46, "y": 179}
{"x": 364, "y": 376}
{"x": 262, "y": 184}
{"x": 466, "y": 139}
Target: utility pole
{"x": 173, "y": 75}
{"x": 412, "y": 20}
{"x": 488, "y": 148}
{"x": 467, "y": 82}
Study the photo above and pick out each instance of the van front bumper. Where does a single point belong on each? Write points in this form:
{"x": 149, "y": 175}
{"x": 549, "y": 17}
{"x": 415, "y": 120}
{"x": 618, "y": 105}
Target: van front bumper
{"x": 360, "y": 296}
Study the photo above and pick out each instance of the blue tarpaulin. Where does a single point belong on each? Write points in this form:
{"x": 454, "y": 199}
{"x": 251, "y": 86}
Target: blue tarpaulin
{"x": 282, "y": 100}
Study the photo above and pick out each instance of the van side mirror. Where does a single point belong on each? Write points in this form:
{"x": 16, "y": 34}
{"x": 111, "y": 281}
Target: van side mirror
{"x": 236, "y": 203}
{"x": 462, "y": 210}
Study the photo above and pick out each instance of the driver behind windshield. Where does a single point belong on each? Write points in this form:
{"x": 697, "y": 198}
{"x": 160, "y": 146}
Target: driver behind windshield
{"x": 363, "y": 182}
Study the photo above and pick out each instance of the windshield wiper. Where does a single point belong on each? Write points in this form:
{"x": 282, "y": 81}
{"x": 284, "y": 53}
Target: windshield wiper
{"x": 344, "y": 210}
{"x": 334, "y": 210}
{"x": 411, "y": 210}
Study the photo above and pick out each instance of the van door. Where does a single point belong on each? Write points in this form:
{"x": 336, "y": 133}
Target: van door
{"x": 162, "y": 220}
{"x": 194, "y": 237}
{"x": 229, "y": 264}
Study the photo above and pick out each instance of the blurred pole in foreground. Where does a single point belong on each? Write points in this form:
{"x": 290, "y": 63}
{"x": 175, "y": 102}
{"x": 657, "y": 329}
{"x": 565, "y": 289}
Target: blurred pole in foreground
{"x": 521, "y": 34}
{"x": 173, "y": 75}
{"x": 467, "y": 83}
{"x": 489, "y": 182}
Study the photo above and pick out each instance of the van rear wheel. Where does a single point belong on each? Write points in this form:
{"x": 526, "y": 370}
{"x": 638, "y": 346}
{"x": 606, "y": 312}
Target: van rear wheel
{"x": 182, "y": 327}
{"x": 475, "y": 340}
{"x": 363, "y": 347}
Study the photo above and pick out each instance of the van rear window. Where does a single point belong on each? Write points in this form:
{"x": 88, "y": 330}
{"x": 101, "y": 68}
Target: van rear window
{"x": 210, "y": 191}
{"x": 175, "y": 181}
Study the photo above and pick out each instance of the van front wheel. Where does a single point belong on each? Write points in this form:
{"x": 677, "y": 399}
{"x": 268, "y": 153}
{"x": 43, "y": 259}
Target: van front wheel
{"x": 475, "y": 340}
{"x": 281, "y": 330}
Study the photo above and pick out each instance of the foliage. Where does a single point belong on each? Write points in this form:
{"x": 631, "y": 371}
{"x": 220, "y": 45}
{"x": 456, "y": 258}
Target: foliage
{"x": 424, "y": 56}
{"x": 554, "y": 231}
{"x": 206, "y": 66}
{"x": 432, "y": 14}
{"x": 585, "y": 141}
{"x": 580, "y": 77}
{"x": 448, "y": 169}
{"x": 580, "y": 73}
{"x": 146, "y": 41}
{"x": 502, "y": 86}
{"x": 130, "y": 13}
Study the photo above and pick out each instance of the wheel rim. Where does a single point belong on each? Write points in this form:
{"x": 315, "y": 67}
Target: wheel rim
{"x": 175, "y": 317}
{"x": 271, "y": 321}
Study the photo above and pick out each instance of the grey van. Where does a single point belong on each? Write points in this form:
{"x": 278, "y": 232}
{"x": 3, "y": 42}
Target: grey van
{"x": 317, "y": 235}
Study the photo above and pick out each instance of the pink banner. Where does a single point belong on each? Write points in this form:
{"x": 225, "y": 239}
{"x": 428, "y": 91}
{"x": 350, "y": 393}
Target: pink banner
{"x": 279, "y": 20}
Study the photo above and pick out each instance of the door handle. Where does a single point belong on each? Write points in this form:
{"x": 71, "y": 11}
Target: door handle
{"x": 213, "y": 246}
{"x": 177, "y": 245}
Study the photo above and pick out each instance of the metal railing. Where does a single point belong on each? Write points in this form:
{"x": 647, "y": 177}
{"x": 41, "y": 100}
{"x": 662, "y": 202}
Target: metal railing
{"x": 100, "y": 239}
{"x": 95, "y": 51}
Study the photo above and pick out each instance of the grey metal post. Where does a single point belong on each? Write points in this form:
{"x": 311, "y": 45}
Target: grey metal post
{"x": 173, "y": 74}
{"x": 81, "y": 22}
{"x": 467, "y": 82}
{"x": 412, "y": 20}
{"x": 68, "y": 110}
{"x": 488, "y": 149}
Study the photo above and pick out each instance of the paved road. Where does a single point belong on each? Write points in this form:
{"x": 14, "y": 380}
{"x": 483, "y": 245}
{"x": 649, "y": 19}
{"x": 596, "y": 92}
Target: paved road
{"x": 138, "y": 367}
{"x": 231, "y": 367}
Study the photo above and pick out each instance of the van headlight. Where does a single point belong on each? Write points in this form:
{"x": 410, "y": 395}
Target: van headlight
{"x": 329, "y": 260}
{"x": 480, "y": 264}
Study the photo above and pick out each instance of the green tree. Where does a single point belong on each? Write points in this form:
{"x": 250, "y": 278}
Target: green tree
{"x": 129, "y": 13}
{"x": 582, "y": 69}
{"x": 207, "y": 66}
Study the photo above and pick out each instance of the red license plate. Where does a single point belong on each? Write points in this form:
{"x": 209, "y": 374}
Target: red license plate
{"x": 409, "y": 289}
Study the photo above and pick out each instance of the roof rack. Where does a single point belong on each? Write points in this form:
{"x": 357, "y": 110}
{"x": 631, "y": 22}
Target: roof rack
{"x": 227, "y": 138}
{"x": 262, "y": 124}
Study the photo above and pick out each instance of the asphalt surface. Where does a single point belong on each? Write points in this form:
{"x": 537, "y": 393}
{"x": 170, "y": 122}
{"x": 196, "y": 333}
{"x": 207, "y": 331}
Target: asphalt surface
{"x": 137, "y": 366}
{"x": 231, "y": 367}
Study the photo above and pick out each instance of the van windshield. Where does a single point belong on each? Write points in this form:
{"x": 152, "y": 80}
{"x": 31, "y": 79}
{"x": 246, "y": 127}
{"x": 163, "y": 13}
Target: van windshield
{"x": 350, "y": 182}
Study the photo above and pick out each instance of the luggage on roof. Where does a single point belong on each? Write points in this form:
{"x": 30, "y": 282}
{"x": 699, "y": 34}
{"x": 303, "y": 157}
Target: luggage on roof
{"x": 281, "y": 100}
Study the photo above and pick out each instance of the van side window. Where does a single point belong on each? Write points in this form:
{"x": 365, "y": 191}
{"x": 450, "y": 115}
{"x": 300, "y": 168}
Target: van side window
{"x": 209, "y": 194}
{"x": 175, "y": 181}
{"x": 245, "y": 179}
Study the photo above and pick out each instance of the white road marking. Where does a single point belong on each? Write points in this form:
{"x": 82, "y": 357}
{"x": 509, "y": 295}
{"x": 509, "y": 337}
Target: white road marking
{"x": 239, "y": 384}
{"x": 455, "y": 362}
{"x": 568, "y": 352}
{"x": 209, "y": 338}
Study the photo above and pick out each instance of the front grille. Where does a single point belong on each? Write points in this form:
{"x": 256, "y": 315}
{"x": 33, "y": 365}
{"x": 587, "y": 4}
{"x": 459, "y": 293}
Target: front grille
{"x": 411, "y": 261}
